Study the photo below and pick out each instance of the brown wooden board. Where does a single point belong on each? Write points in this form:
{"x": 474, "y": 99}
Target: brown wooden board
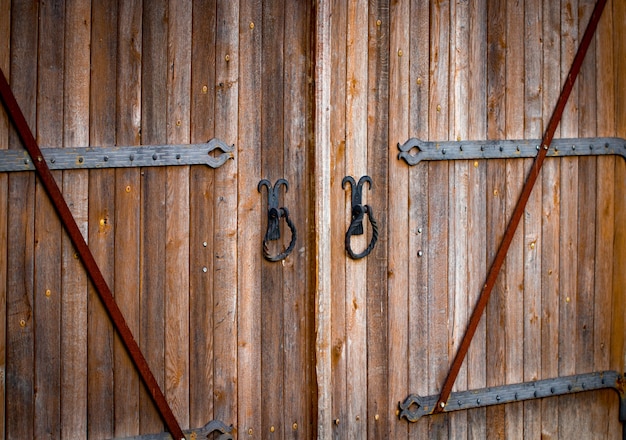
{"x": 201, "y": 219}
{"x": 5, "y": 35}
{"x": 127, "y": 213}
{"x": 153, "y": 181}
{"x": 47, "y": 283}
{"x": 20, "y": 325}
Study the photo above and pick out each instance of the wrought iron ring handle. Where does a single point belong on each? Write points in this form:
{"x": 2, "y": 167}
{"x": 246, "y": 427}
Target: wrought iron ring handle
{"x": 274, "y": 214}
{"x": 358, "y": 212}
{"x": 355, "y": 225}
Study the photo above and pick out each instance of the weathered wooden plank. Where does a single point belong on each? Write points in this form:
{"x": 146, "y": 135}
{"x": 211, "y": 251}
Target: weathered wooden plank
{"x": 531, "y": 310}
{"x": 417, "y": 338}
{"x": 568, "y": 220}
{"x": 398, "y": 267}
{"x": 477, "y": 228}
{"x": 75, "y": 190}
{"x": 322, "y": 219}
{"x": 496, "y": 204}
{"x": 272, "y": 165}
{"x": 338, "y": 218}
{"x": 5, "y": 35}
{"x": 377, "y": 168}
{"x": 605, "y": 412}
{"x": 296, "y": 273}
{"x": 177, "y": 214}
{"x": 356, "y": 270}
{"x": 201, "y": 219}
{"x": 225, "y": 231}
{"x": 550, "y": 226}
{"x": 20, "y": 380}
{"x": 100, "y": 336}
{"x": 586, "y": 221}
{"x": 47, "y": 275}
{"x": 127, "y": 215}
{"x": 152, "y": 252}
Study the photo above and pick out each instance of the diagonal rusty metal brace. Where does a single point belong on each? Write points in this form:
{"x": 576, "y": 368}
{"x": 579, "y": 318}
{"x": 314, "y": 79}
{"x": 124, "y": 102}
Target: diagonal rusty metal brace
{"x": 70, "y": 225}
{"x": 519, "y": 208}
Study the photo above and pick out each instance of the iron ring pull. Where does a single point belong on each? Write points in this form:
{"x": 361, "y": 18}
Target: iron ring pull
{"x": 274, "y": 214}
{"x": 358, "y": 213}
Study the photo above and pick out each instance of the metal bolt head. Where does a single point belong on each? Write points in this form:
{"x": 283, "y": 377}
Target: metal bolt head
{"x": 442, "y": 404}
{"x": 378, "y": 22}
{"x": 420, "y": 253}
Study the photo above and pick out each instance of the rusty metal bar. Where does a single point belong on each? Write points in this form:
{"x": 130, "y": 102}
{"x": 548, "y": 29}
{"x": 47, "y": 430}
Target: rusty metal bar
{"x": 519, "y": 209}
{"x": 51, "y": 187}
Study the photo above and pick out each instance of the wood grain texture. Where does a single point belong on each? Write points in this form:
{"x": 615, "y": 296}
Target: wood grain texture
{"x": 225, "y": 232}
{"x": 20, "y": 380}
{"x": 250, "y": 399}
{"x": 153, "y": 187}
{"x": 377, "y": 168}
{"x": 5, "y": 35}
{"x": 418, "y": 241}
{"x": 100, "y": 336}
{"x": 75, "y": 190}
{"x": 477, "y": 227}
{"x": 47, "y": 282}
{"x": 201, "y": 216}
{"x": 398, "y": 267}
{"x": 337, "y": 214}
{"x": 127, "y": 214}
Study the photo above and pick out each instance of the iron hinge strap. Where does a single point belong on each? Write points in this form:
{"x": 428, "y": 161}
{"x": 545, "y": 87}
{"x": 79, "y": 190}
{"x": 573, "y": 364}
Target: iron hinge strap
{"x": 414, "y": 406}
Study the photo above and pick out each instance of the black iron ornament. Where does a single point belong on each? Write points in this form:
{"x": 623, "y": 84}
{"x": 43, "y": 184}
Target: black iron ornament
{"x": 358, "y": 212}
{"x": 274, "y": 214}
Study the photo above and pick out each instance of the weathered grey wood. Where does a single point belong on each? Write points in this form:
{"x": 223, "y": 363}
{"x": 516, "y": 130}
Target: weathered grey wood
{"x": 5, "y": 35}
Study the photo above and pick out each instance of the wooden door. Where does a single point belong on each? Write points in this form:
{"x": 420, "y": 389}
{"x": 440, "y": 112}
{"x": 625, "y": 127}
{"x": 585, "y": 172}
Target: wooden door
{"x": 457, "y": 70}
{"x": 228, "y": 335}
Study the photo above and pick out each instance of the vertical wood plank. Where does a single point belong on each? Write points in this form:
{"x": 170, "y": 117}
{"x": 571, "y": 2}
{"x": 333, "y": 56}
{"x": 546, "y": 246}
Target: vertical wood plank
{"x": 225, "y": 231}
{"x": 438, "y": 212}
{"x": 152, "y": 252}
{"x": 605, "y": 412}
{"x": 47, "y": 275}
{"x": 250, "y": 232}
{"x": 5, "y": 37}
{"x": 398, "y": 267}
{"x": 177, "y": 214}
{"x": 337, "y": 101}
{"x": 477, "y": 227}
{"x": 618, "y": 327}
{"x": 533, "y": 240}
{"x": 100, "y": 336}
{"x": 296, "y": 279}
{"x": 377, "y": 167}
{"x": 496, "y": 204}
{"x": 75, "y": 190}
{"x": 127, "y": 214}
{"x": 419, "y": 87}
{"x": 201, "y": 220}
{"x": 356, "y": 166}
{"x": 20, "y": 380}
{"x": 272, "y": 165}
{"x": 568, "y": 221}
{"x": 459, "y": 199}
{"x": 586, "y": 220}
{"x": 322, "y": 181}
{"x": 550, "y": 225}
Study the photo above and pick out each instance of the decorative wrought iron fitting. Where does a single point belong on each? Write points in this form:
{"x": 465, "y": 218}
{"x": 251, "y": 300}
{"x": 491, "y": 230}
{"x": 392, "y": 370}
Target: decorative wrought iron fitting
{"x": 274, "y": 214}
{"x": 358, "y": 213}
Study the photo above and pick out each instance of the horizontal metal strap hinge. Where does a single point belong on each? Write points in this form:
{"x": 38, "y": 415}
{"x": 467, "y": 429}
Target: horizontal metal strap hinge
{"x": 120, "y": 157}
{"x": 415, "y": 406}
{"x": 216, "y": 426}
{"x": 413, "y": 151}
